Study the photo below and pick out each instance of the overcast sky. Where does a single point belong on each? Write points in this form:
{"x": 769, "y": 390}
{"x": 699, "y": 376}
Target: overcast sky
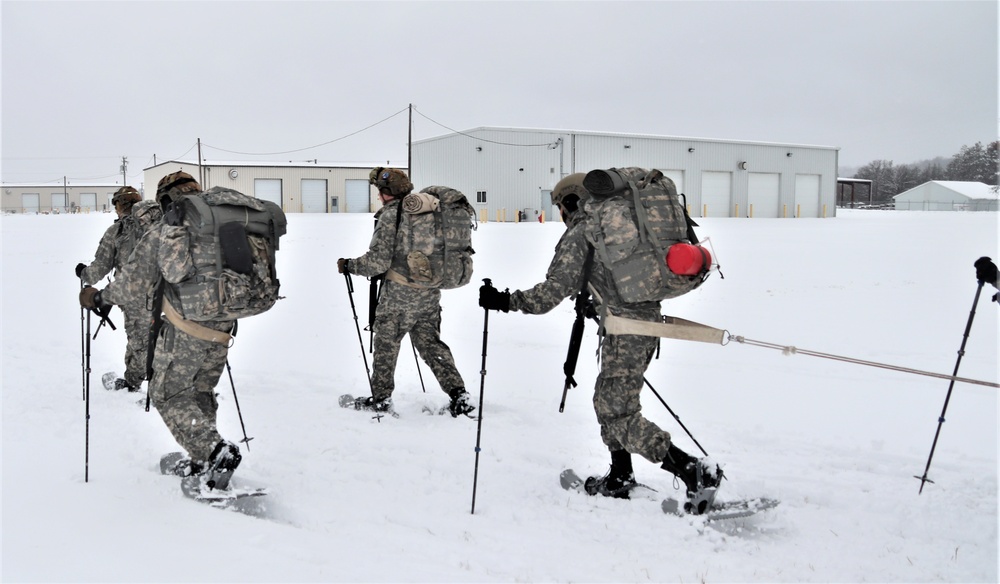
{"x": 85, "y": 83}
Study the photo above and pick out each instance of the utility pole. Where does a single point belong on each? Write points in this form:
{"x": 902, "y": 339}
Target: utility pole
{"x": 124, "y": 171}
{"x": 201, "y": 179}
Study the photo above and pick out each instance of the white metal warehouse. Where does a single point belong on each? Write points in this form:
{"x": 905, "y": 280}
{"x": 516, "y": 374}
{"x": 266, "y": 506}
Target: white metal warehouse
{"x": 948, "y": 195}
{"x": 505, "y": 170}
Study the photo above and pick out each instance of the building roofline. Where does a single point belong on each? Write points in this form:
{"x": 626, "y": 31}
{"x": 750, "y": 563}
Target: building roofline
{"x": 249, "y": 163}
{"x": 622, "y": 135}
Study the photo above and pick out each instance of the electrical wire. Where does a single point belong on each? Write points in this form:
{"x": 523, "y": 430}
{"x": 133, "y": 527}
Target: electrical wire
{"x": 308, "y": 147}
{"x": 546, "y": 144}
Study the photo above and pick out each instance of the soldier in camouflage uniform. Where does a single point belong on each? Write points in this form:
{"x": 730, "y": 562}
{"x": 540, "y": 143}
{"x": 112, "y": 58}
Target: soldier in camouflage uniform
{"x": 114, "y": 249}
{"x": 404, "y": 308}
{"x": 624, "y": 358}
{"x": 186, "y": 363}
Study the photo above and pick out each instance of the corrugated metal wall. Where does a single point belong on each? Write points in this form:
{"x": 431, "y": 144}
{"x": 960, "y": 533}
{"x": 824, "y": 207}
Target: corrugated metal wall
{"x": 515, "y": 166}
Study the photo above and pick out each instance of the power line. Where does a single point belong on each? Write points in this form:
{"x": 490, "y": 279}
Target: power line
{"x": 547, "y": 144}
{"x": 308, "y": 147}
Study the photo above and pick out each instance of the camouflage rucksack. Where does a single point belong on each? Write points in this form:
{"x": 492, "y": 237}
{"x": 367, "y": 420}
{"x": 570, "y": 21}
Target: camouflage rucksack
{"x": 233, "y": 239}
{"x": 633, "y": 219}
{"x": 434, "y": 247}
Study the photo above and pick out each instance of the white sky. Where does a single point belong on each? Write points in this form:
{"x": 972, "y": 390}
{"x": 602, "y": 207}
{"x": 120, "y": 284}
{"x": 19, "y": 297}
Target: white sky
{"x": 86, "y": 83}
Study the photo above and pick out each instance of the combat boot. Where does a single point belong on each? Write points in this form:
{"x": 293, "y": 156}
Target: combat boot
{"x": 618, "y": 481}
{"x": 701, "y": 478}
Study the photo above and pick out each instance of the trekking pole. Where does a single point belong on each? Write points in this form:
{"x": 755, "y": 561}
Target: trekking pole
{"x": 417, "y": 360}
{"x": 86, "y": 393}
{"x": 482, "y": 386}
{"x": 245, "y": 440}
{"x": 951, "y": 385}
{"x": 83, "y": 365}
{"x": 357, "y": 325}
{"x": 676, "y": 417}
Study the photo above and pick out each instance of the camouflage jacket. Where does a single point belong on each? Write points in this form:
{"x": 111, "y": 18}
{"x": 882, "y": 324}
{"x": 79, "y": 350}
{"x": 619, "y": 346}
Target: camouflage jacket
{"x": 564, "y": 278}
{"x": 115, "y": 246}
{"x": 382, "y": 251}
{"x": 164, "y": 251}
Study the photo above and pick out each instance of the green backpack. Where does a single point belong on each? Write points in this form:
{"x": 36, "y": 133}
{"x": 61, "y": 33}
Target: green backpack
{"x": 434, "y": 245}
{"x": 633, "y": 218}
{"x": 233, "y": 239}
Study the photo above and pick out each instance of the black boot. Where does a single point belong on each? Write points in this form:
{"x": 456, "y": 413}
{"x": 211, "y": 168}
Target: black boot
{"x": 619, "y": 480}
{"x": 221, "y": 465}
{"x": 700, "y": 476}
{"x": 460, "y": 402}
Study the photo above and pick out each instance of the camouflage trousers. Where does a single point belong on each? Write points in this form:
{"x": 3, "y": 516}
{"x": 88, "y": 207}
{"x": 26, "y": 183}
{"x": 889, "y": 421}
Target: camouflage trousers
{"x": 403, "y": 310}
{"x": 137, "y": 321}
{"x": 624, "y": 359}
{"x": 185, "y": 373}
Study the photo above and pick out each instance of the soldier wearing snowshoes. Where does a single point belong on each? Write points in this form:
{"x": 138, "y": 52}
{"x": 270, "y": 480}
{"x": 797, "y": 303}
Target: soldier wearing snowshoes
{"x": 403, "y": 308}
{"x": 624, "y": 359}
{"x": 112, "y": 252}
{"x": 188, "y": 360}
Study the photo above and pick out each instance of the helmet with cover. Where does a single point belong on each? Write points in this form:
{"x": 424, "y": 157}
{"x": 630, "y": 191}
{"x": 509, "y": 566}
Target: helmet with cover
{"x": 175, "y": 184}
{"x": 569, "y": 193}
{"x": 124, "y": 198}
{"x": 392, "y": 181}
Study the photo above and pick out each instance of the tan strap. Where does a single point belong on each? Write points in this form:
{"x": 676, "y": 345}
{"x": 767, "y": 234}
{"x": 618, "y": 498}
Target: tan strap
{"x": 670, "y": 328}
{"x": 194, "y": 329}
{"x": 394, "y": 276}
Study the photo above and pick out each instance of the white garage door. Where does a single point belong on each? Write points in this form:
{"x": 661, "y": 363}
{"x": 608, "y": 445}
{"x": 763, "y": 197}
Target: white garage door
{"x": 716, "y": 194}
{"x": 313, "y": 195}
{"x": 807, "y": 195}
{"x": 59, "y": 202}
{"x": 358, "y": 196}
{"x": 88, "y": 202}
{"x": 29, "y": 202}
{"x": 764, "y": 194}
{"x": 268, "y": 189}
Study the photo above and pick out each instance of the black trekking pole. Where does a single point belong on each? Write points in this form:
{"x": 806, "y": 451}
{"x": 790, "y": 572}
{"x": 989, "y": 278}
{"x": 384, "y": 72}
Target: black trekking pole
{"x": 83, "y": 336}
{"x": 676, "y": 417}
{"x": 951, "y": 385}
{"x": 86, "y": 393}
{"x": 245, "y": 440}
{"x": 357, "y": 325}
{"x": 482, "y": 387}
{"x": 417, "y": 360}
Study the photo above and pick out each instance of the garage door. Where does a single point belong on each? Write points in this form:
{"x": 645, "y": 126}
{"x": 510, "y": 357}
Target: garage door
{"x": 358, "y": 196}
{"x": 59, "y": 202}
{"x": 716, "y": 194}
{"x": 88, "y": 202}
{"x": 807, "y": 195}
{"x": 29, "y": 202}
{"x": 268, "y": 189}
{"x": 678, "y": 177}
{"x": 313, "y": 195}
{"x": 764, "y": 194}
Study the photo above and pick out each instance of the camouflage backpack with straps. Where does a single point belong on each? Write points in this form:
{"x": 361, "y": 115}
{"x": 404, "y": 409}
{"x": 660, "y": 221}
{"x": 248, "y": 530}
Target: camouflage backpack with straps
{"x": 633, "y": 219}
{"x": 233, "y": 239}
{"x": 434, "y": 247}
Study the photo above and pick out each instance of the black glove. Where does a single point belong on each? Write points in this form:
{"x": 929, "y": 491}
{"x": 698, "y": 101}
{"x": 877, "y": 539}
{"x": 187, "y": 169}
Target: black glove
{"x": 79, "y": 270}
{"x": 986, "y": 270}
{"x": 492, "y": 299}
{"x": 344, "y": 266}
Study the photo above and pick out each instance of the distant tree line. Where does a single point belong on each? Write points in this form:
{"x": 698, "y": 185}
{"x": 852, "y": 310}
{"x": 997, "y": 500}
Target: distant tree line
{"x": 972, "y": 163}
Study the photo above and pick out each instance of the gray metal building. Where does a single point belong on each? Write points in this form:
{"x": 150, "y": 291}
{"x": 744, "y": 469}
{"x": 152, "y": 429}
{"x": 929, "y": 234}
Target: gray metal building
{"x": 506, "y": 170}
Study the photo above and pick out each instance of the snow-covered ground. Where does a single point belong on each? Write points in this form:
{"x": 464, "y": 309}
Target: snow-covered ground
{"x": 353, "y": 499}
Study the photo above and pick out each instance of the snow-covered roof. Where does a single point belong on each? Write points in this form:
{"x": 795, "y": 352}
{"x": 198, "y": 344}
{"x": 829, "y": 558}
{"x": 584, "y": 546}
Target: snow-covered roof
{"x": 970, "y": 189}
{"x": 269, "y": 163}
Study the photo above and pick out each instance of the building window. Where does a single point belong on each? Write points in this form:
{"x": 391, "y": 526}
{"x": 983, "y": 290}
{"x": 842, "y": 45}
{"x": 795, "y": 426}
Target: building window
{"x": 480, "y": 196}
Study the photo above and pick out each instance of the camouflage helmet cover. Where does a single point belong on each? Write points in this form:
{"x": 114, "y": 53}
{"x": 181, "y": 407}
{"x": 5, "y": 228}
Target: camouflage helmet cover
{"x": 570, "y": 185}
{"x": 174, "y": 184}
{"x": 391, "y": 179}
{"x": 125, "y": 197}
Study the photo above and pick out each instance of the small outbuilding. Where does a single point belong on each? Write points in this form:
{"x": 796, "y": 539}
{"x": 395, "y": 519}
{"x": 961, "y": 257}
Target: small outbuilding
{"x": 948, "y": 195}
